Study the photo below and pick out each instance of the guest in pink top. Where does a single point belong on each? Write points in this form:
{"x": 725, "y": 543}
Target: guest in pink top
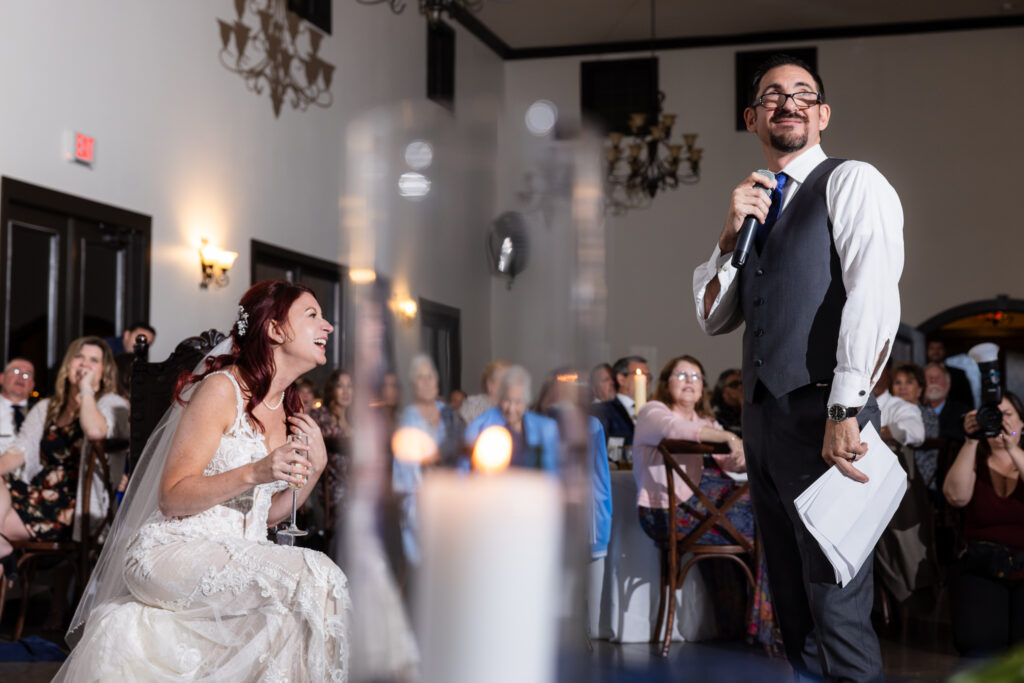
{"x": 681, "y": 410}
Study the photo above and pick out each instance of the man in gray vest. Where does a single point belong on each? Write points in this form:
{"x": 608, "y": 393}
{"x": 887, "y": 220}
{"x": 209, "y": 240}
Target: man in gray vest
{"x": 819, "y": 296}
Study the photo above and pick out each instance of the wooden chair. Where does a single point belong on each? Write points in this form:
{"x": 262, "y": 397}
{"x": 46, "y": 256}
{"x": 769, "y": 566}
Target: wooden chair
{"x": 742, "y": 551}
{"x": 79, "y": 554}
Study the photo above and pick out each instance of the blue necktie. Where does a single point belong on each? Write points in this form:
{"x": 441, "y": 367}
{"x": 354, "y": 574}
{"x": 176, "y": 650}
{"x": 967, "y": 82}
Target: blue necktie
{"x": 773, "y": 212}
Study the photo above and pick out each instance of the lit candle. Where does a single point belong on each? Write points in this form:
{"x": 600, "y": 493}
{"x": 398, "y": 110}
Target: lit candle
{"x": 488, "y": 586}
{"x": 639, "y": 389}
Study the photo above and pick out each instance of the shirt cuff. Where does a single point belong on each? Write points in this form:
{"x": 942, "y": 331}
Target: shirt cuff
{"x": 849, "y": 389}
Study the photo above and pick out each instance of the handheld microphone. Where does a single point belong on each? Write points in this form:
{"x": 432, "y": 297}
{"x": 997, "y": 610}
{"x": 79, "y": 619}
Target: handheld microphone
{"x": 749, "y": 228}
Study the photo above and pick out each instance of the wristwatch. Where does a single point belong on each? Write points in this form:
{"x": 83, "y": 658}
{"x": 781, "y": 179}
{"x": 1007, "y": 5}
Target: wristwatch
{"x": 838, "y": 412}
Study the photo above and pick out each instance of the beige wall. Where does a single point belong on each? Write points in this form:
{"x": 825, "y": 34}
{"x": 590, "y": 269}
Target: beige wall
{"x": 180, "y": 138}
{"x": 930, "y": 111}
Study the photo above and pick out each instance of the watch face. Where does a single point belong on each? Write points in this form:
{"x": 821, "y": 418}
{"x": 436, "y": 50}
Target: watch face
{"x": 836, "y": 412}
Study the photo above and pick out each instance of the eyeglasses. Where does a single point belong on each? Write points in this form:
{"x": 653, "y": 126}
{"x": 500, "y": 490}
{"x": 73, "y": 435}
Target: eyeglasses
{"x": 692, "y": 376}
{"x": 776, "y": 100}
{"x": 735, "y": 384}
{"x": 16, "y": 372}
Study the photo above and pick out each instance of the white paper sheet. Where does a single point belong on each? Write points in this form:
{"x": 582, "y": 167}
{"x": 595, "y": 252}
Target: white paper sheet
{"x": 847, "y": 517}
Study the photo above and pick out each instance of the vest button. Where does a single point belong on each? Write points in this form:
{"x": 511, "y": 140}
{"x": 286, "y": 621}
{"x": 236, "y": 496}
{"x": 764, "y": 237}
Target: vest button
{"x": 759, "y": 332}
{"x": 758, "y": 362}
{"x": 759, "y": 272}
{"x": 758, "y": 301}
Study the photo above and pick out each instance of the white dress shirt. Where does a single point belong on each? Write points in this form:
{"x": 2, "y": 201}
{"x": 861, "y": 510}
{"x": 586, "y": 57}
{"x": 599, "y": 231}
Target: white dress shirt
{"x": 629, "y": 404}
{"x": 903, "y": 419}
{"x": 867, "y": 230}
{"x": 7, "y": 428}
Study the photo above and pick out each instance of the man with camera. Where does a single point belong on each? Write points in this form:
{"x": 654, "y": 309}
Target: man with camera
{"x": 820, "y": 300}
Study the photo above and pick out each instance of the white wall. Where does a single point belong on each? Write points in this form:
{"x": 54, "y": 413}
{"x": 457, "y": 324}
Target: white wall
{"x": 180, "y": 138}
{"x": 930, "y": 111}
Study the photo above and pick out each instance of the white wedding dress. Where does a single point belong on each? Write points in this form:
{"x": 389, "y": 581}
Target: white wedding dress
{"x": 211, "y": 599}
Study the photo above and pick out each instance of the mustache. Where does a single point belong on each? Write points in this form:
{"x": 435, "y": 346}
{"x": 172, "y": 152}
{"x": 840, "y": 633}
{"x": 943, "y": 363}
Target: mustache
{"x": 788, "y": 116}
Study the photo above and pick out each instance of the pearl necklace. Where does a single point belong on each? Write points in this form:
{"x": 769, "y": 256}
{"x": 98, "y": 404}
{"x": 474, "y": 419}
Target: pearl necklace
{"x": 270, "y": 407}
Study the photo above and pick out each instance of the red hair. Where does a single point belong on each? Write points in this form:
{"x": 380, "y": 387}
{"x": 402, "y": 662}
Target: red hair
{"x": 252, "y": 352}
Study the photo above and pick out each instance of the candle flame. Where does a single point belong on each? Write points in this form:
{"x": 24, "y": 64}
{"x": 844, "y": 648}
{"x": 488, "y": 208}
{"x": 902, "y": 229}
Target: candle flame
{"x": 413, "y": 446}
{"x": 493, "y": 450}
{"x": 639, "y": 371}
{"x": 568, "y": 377}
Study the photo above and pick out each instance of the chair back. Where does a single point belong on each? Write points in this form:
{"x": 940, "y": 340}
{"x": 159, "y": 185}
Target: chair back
{"x": 716, "y": 514}
{"x": 153, "y": 385}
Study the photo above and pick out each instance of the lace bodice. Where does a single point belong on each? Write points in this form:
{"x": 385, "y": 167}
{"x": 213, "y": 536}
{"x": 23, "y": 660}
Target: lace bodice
{"x": 244, "y": 516}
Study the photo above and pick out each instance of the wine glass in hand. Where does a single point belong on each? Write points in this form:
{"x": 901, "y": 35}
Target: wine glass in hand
{"x": 291, "y": 529}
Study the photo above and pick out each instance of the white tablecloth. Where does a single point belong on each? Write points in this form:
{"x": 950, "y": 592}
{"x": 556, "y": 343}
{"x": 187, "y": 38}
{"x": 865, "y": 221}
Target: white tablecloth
{"x": 622, "y": 590}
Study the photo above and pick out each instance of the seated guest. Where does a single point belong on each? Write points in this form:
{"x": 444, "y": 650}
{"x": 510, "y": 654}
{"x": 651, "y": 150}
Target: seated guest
{"x": 959, "y": 384}
{"x": 307, "y": 393}
{"x": 126, "y": 342}
{"x": 602, "y": 383}
{"x": 908, "y": 383}
{"x": 680, "y": 410}
{"x": 903, "y": 556}
{"x": 476, "y": 404}
{"x": 901, "y": 420}
{"x": 618, "y": 415}
{"x": 430, "y": 415}
{"x": 534, "y": 437}
{"x": 936, "y": 395}
{"x": 42, "y": 505}
{"x": 560, "y": 399}
{"x": 987, "y": 592}
{"x": 332, "y": 417}
{"x": 727, "y": 400}
{"x": 16, "y": 386}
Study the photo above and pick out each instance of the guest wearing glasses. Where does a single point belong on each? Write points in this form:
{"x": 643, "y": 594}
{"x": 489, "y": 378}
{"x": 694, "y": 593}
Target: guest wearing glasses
{"x": 819, "y": 297}
{"x": 16, "y": 384}
{"x": 727, "y": 400}
{"x": 680, "y": 409}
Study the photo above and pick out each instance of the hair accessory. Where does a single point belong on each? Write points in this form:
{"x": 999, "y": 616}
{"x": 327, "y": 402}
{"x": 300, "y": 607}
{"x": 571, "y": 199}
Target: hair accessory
{"x": 242, "y": 324}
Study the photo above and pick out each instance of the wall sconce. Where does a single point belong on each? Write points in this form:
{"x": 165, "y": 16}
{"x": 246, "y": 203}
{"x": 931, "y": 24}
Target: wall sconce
{"x": 215, "y": 264}
{"x": 404, "y": 309}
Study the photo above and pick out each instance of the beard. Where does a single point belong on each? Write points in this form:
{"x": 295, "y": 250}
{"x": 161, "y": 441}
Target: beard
{"x": 934, "y": 392}
{"x": 790, "y": 141}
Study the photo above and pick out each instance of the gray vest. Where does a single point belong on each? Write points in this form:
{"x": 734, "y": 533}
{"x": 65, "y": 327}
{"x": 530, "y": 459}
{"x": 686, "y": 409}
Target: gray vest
{"x": 792, "y": 296}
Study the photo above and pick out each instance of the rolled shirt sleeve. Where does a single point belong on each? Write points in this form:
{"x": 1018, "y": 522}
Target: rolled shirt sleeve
{"x": 726, "y": 313}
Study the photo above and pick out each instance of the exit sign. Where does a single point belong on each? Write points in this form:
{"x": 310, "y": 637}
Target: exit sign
{"x": 84, "y": 149}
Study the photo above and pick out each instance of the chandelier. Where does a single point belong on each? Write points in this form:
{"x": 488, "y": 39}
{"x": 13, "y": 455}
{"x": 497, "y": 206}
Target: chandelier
{"x": 645, "y": 161}
{"x": 278, "y": 53}
{"x": 431, "y": 9}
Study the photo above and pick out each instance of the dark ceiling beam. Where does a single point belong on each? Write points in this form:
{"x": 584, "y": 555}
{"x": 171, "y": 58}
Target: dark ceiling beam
{"x": 506, "y": 52}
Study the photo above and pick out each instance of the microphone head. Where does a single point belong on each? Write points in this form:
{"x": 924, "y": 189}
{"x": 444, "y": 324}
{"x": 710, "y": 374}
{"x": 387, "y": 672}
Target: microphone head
{"x": 767, "y": 174}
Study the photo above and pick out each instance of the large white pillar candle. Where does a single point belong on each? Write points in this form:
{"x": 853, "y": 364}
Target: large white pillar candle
{"x": 487, "y": 590}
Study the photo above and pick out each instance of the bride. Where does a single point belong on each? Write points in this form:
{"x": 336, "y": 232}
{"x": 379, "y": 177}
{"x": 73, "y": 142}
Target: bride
{"x": 188, "y": 586}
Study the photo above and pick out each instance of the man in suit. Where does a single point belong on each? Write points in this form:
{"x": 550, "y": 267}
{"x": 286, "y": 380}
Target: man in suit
{"x": 16, "y": 385}
{"x": 938, "y": 396}
{"x": 618, "y": 416}
{"x": 819, "y": 298}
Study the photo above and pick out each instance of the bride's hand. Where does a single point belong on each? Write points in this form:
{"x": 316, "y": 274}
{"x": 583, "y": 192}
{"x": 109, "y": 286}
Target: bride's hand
{"x": 283, "y": 463}
{"x": 301, "y": 422}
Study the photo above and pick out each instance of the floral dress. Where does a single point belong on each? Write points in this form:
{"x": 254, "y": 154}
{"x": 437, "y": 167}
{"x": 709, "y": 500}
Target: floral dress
{"x": 46, "y": 505}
